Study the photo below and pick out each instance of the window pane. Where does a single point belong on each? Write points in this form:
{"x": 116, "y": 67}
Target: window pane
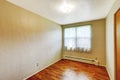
{"x": 84, "y": 31}
{"x": 84, "y": 43}
{"x": 78, "y": 38}
{"x": 69, "y": 33}
{"x": 84, "y": 37}
{"x": 70, "y": 43}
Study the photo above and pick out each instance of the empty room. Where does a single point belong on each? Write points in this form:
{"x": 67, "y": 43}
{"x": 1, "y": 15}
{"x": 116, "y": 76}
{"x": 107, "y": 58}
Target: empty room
{"x": 59, "y": 39}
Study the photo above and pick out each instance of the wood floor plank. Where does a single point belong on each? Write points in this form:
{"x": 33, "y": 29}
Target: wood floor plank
{"x": 71, "y": 70}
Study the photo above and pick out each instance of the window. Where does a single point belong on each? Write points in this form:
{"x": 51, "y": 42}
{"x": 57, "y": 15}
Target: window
{"x": 78, "y": 38}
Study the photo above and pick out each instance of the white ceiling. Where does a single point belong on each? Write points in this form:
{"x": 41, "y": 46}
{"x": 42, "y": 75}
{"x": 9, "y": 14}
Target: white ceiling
{"x": 85, "y": 10}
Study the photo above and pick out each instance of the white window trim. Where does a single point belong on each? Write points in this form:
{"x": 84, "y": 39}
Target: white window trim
{"x": 77, "y": 49}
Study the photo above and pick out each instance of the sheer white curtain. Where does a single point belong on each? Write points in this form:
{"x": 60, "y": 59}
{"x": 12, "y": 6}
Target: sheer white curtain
{"x": 78, "y": 38}
{"x": 70, "y": 38}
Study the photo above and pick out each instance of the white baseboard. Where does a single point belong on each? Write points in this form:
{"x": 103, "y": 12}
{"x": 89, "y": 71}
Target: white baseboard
{"x": 109, "y": 73}
{"x": 84, "y": 61}
{"x": 31, "y": 75}
{"x": 57, "y": 61}
{"x": 40, "y": 70}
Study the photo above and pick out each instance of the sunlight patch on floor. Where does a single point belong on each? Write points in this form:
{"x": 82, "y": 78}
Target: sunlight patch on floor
{"x": 70, "y": 74}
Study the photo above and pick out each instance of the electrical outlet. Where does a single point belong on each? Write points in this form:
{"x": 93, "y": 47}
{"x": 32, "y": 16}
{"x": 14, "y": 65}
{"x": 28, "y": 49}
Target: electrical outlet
{"x": 37, "y": 64}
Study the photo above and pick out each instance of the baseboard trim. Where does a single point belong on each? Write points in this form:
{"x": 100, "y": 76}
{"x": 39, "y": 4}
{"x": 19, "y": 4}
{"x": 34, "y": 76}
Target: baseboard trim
{"x": 59, "y": 60}
{"x": 31, "y": 75}
{"x": 40, "y": 70}
{"x": 89, "y": 62}
{"x": 109, "y": 73}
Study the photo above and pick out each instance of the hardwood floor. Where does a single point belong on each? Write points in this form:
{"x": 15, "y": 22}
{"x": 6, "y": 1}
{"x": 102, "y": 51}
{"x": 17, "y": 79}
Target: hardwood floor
{"x": 71, "y": 70}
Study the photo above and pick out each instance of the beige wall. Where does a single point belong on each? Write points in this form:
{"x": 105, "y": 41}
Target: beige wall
{"x": 98, "y": 42}
{"x": 110, "y": 40}
{"x": 26, "y": 40}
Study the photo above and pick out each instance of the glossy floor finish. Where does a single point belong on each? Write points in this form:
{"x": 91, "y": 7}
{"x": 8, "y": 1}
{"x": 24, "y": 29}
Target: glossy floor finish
{"x": 71, "y": 70}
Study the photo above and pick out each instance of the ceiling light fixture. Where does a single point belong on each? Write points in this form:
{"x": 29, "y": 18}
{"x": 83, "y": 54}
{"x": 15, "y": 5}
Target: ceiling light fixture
{"x": 66, "y": 7}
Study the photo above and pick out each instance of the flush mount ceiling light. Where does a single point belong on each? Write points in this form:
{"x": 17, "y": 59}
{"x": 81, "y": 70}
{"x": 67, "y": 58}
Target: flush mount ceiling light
{"x": 66, "y": 7}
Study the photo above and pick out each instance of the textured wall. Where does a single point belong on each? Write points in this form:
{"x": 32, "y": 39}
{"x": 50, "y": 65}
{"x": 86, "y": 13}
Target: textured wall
{"x": 28, "y": 42}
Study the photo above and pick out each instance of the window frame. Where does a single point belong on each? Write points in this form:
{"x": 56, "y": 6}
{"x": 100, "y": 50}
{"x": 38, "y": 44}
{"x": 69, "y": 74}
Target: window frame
{"x": 72, "y": 26}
